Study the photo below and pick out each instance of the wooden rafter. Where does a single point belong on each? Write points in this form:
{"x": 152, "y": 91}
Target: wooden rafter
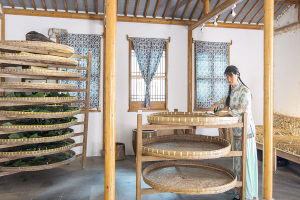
{"x": 44, "y": 4}
{"x": 284, "y": 4}
{"x": 167, "y": 8}
{"x": 215, "y": 7}
{"x": 261, "y": 8}
{"x": 33, "y": 4}
{"x": 263, "y": 15}
{"x": 195, "y": 8}
{"x": 96, "y": 7}
{"x": 54, "y": 4}
{"x": 86, "y": 7}
{"x": 136, "y": 7}
{"x": 126, "y": 7}
{"x": 11, "y": 4}
{"x": 177, "y": 6}
{"x": 146, "y": 8}
{"x": 23, "y": 4}
{"x": 76, "y": 6}
{"x": 246, "y": 4}
{"x": 186, "y": 8}
{"x": 66, "y": 7}
{"x": 156, "y": 8}
{"x": 257, "y": 2}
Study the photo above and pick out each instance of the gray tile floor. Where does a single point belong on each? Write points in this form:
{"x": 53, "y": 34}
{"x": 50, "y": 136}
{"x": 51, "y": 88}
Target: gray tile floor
{"x": 73, "y": 183}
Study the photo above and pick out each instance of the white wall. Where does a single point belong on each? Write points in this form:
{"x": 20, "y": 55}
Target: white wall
{"x": 246, "y": 53}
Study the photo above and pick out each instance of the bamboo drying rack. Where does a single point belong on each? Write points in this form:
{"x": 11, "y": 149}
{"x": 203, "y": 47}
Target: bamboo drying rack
{"x": 140, "y": 158}
{"x": 85, "y": 111}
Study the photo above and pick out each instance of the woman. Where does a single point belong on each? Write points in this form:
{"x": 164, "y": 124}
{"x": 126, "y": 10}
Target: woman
{"x": 235, "y": 103}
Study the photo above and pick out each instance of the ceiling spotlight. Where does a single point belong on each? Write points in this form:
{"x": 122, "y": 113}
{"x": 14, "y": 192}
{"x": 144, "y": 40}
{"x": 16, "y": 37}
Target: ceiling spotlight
{"x": 233, "y": 13}
{"x": 215, "y": 22}
{"x": 201, "y": 28}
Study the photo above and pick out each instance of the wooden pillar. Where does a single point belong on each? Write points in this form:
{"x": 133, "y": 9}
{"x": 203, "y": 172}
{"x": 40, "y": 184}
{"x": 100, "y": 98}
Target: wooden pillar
{"x": 190, "y": 74}
{"x": 268, "y": 98}
{"x": 139, "y": 157}
{"x": 206, "y": 8}
{"x": 110, "y": 98}
{"x": 104, "y": 85}
{"x": 2, "y": 39}
{"x": 244, "y": 155}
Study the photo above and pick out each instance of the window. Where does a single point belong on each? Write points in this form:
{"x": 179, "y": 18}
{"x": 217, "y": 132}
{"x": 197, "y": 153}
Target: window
{"x": 158, "y": 87}
{"x": 211, "y": 60}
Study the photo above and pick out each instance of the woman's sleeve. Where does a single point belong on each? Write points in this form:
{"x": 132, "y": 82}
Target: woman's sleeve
{"x": 244, "y": 101}
{"x": 222, "y": 103}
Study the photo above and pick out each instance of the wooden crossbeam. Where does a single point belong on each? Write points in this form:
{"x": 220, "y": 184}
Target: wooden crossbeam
{"x": 54, "y": 4}
{"x": 23, "y": 4}
{"x": 263, "y": 15}
{"x": 257, "y": 2}
{"x": 33, "y": 4}
{"x": 136, "y": 7}
{"x": 11, "y": 4}
{"x": 76, "y": 6}
{"x": 195, "y": 8}
{"x": 44, "y": 4}
{"x": 261, "y": 8}
{"x": 126, "y": 7}
{"x": 86, "y": 7}
{"x": 156, "y": 8}
{"x": 217, "y": 6}
{"x": 96, "y": 7}
{"x": 146, "y": 8}
{"x": 279, "y": 9}
{"x": 177, "y": 6}
{"x": 246, "y": 4}
{"x": 66, "y": 7}
{"x": 206, "y": 8}
{"x": 186, "y": 8}
{"x": 166, "y": 10}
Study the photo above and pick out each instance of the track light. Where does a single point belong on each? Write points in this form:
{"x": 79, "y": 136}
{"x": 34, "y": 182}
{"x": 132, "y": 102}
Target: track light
{"x": 215, "y": 22}
{"x": 232, "y": 10}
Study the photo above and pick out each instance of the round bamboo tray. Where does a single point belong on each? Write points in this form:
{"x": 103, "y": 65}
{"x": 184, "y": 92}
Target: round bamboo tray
{"x": 41, "y": 72}
{"x": 186, "y": 147}
{"x": 40, "y": 167}
{"x": 21, "y": 154}
{"x": 37, "y": 58}
{"x": 14, "y": 101}
{"x": 26, "y": 128}
{"x": 46, "y": 46}
{"x": 36, "y": 140}
{"x": 188, "y": 118}
{"x": 7, "y": 115}
{"x": 28, "y": 85}
{"x": 190, "y": 178}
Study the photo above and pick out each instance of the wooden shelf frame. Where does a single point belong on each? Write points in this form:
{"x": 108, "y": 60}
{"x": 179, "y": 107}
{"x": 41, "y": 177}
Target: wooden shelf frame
{"x": 10, "y": 63}
{"x": 140, "y": 158}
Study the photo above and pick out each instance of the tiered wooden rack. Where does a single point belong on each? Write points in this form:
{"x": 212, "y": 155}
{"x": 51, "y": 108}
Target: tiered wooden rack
{"x": 141, "y": 156}
{"x": 20, "y": 101}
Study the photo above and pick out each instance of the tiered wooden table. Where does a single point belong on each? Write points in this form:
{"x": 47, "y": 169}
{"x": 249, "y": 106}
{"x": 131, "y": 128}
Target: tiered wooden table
{"x": 44, "y": 55}
{"x": 187, "y": 177}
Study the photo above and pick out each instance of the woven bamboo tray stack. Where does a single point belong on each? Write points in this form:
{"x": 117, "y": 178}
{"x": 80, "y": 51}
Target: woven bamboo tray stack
{"x": 41, "y": 129}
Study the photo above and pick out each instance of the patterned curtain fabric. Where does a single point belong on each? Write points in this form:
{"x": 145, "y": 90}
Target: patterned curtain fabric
{"x": 148, "y": 52}
{"x": 82, "y": 43}
{"x": 211, "y": 62}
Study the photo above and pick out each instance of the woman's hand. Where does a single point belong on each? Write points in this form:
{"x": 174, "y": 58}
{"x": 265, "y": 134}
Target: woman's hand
{"x": 222, "y": 114}
{"x": 214, "y": 107}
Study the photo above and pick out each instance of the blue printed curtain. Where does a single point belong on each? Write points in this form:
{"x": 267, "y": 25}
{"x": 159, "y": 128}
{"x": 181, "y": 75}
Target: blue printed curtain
{"x": 82, "y": 44}
{"x": 211, "y": 62}
{"x": 148, "y": 52}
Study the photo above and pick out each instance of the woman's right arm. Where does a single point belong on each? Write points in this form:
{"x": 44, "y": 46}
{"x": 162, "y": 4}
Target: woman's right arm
{"x": 220, "y": 105}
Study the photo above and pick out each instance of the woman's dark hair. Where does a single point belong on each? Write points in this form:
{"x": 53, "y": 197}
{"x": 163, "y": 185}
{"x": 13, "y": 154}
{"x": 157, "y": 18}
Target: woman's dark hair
{"x": 231, "y": 69}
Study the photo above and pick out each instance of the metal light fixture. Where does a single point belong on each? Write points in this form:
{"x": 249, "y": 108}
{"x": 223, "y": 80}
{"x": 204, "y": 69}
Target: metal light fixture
{"x": 232, "y": 10}
{"x": 215, "y": 22}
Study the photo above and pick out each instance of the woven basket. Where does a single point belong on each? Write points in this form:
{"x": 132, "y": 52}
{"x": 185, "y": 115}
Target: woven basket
{"x": 37, "y": 58}
{"x": 41, "y": 167}
{"x": 47, "y": 46}
{"x": 186, "y": 147}
{"x": 15, "y": 101}
{"x": 26, "y": 128}
{"x": 36, "y": 140}
{"x": 190, "y": 178}
{"x": 28, "y": 85}
{"x": 23, "y": 154}
{"x": 41, "y": 72}
{"x": 188, "y": 118}
{"x": 8, "y": 115}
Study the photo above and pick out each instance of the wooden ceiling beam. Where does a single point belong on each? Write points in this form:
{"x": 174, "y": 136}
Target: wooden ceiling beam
{"x": 289, "y": 1}
{"x": 166, "y": 9}
{"x": 186, "y": 8}
{"x": 262, "y": 7}
{"x": 218, "y": 3}
{"x": 11, "y": 4}
{"x": 33, "y": 4}
{"x": 284, "y": 4}
{"x": 146, "y": 8}
{"x": 156, "y": 8}
{"x": 177, "y": 6}
{"x": 136, "y": 7}
{"x": 66, "y": 7}
{"x": 76, "y": 6}
{"x": 195, "y": 8}
{"x": 44, "y": 4}
{"x": 54, "y": 4}
{"x": 263, "y": 15}
{"x": 96, "y": 7}
{"x": 23, "y": 4}
{"x": 126, "y": 7}
{"x": 257, "y": 2}
{"x": 245, "y": 5}
{"x": 86, "y": 7}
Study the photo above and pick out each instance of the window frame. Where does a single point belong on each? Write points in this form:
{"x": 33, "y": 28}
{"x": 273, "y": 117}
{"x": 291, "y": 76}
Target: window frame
{"x": 134, "y": 106}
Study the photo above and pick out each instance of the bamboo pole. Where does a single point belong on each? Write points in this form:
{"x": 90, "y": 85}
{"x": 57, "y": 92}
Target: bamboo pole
{"x": 206, "y": 8}
{"x": 2, "y": 39}
{"x": 244, "y": 153}
{"x": 268, "y": 98}
{"x": 104, "y": 82}
{"x": 138, "y": 157}
{"x": 110, "y": 99}
{"x": 190, "y": 70}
